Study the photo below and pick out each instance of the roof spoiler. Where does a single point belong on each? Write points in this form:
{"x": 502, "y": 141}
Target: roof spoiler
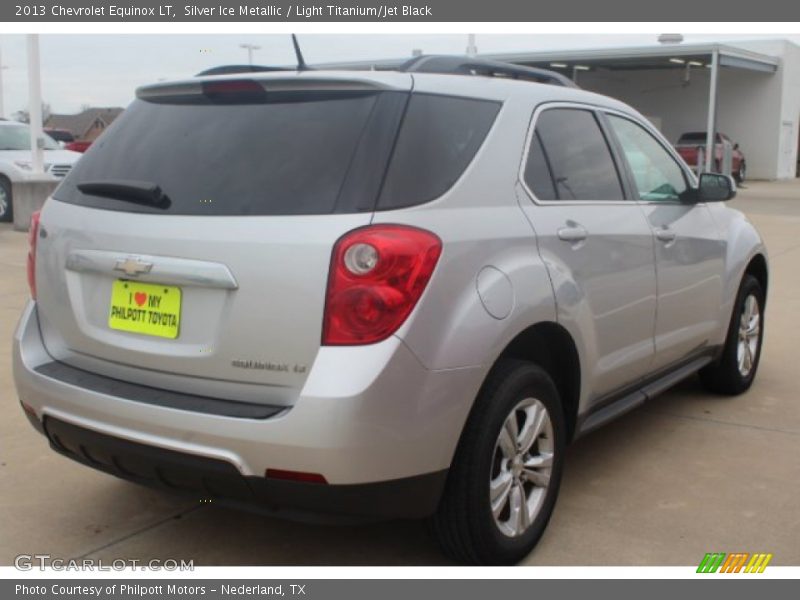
{"x": 468, "y": 65}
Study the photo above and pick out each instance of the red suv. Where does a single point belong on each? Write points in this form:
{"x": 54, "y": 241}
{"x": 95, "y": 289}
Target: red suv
{"x": 689, "y": 143}
{"x": 78, "y": 146}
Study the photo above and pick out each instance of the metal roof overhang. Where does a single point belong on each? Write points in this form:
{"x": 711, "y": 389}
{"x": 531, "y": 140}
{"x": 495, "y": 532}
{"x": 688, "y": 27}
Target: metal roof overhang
{"x": 667, "y": 57}
{"x": 625, "y": 58}
{"x": 647, "y": 57}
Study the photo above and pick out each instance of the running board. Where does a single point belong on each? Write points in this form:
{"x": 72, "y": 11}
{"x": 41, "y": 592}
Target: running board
{"x": 631, "y": 400}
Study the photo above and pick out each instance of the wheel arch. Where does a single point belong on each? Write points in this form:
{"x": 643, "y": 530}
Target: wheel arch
{"x": 757, "y": 267}
{"x": 550, "y": 346}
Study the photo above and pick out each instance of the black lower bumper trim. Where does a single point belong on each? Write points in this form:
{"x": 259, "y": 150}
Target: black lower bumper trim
{"x": 155, "y": 396}
{"x": 208, "y": 478}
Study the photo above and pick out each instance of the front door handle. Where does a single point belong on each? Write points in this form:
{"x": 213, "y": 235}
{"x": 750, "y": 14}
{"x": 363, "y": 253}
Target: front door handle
{"x": 665, "y": 235}
{"x": 573, "y": 233}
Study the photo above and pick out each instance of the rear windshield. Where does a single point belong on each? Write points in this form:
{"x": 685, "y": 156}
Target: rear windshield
{"x": 230, "y": 159}
{"x": 305, "y": 153}
{"x": 297, "y": 153}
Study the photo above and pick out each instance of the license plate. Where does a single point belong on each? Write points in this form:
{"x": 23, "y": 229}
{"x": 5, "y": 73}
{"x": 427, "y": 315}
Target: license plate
{"x": 145, "y": 308}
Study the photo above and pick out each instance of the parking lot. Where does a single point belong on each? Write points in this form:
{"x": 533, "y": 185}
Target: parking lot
{"x": 687, "y": 474}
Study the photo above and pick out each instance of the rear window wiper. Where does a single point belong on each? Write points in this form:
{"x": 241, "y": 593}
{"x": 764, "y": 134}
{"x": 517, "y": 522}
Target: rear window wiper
{"x": 139, "y": 192}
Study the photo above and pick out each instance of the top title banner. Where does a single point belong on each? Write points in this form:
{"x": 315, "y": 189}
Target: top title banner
{"x": 41, "y": 11}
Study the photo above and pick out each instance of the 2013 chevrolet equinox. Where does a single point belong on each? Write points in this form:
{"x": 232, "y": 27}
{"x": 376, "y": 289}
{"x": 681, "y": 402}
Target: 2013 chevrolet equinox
{"x": 383, "y": 294}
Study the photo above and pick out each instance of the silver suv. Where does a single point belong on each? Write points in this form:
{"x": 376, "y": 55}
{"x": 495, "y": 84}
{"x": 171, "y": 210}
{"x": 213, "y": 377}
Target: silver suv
{"x": 378, "y": 294}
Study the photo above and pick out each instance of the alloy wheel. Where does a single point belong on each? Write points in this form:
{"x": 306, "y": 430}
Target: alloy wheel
{"x": 749, "y": 335}
{"x": 521, "y": 467}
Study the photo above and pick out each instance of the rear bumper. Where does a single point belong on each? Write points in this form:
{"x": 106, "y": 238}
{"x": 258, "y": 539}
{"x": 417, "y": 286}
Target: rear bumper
{"x": 377, "y": 425}
{"x": 207, "y": 478}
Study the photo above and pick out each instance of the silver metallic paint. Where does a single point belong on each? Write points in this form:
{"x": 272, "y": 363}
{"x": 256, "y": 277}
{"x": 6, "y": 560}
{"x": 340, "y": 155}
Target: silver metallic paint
{"x": 396, "y": 408}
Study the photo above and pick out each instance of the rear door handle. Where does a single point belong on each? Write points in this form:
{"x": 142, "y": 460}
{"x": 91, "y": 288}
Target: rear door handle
{"x": 573, "y": 233}
{"x": 665, "y": 235}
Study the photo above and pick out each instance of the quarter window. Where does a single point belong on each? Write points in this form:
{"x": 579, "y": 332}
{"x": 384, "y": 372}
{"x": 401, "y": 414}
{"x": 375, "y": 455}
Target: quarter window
{"x": 439, "y": 138}
{"x": 570, "y": 146}
{"x": 657, "y": 175}
{"x": 537, "y": 172}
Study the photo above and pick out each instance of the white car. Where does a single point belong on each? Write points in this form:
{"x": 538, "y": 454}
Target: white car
{"x": 15, "y": 160}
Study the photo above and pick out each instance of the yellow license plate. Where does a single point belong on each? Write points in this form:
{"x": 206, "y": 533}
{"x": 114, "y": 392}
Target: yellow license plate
{"x": 145, "y": 308}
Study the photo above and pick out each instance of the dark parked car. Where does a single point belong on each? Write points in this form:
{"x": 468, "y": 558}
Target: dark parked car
{"x": 64, "y": 136}
{"x": 689, "y": 143}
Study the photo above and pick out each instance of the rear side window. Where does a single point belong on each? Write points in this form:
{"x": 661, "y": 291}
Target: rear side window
{"x": 439, "y": 138}
{"x": 578, "y": 157}
{"x": 302, "y": 153}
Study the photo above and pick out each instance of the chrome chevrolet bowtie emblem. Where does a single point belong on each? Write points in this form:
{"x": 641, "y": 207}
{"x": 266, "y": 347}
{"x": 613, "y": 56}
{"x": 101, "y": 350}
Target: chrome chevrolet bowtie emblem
{"x": 133, "y": 267}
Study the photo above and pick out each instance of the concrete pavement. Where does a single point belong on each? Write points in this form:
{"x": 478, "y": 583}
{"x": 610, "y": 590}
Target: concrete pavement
{"x": 687, "y": 474}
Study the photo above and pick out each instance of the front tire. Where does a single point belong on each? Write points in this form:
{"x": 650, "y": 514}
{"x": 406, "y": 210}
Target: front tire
{"x": 505, "y": 476}
{"x": 741, "y": 174}
{"x": 736, "y": 369}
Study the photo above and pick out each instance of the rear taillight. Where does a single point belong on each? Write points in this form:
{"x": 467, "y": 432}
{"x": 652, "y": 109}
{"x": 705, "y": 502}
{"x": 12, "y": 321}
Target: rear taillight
{"x": 234, "y": 91}
{"x": 33, "y": 235}
{"x": 377, "y": 275}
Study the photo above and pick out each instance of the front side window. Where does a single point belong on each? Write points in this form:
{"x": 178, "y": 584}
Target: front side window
{"x": 569, "y": 146}
{"x": 657, "y": 175}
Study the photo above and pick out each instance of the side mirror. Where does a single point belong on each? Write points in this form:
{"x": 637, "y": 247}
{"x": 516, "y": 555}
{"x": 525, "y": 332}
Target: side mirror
{"x": 714, "y": 187}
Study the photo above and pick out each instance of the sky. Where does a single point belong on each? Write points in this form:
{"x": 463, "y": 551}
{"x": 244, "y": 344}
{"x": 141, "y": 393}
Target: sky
{"x": 105, "y": 70}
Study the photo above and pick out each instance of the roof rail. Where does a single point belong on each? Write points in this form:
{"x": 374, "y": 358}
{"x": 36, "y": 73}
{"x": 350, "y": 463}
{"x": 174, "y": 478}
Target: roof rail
{"x": 228, "y": 69}
{"x": 467, "y": 65}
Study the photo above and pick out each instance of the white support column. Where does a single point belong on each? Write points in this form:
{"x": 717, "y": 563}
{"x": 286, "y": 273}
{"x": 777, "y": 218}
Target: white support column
{"x": 472, "y": 48}
{"x": 2, "y": 92}
{"x": 711, "y": 125}
{"x": 35, "y": 104}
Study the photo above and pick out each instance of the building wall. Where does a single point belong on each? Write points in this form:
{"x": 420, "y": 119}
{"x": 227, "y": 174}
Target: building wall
{"x": 789, "y": 116}
{"x": 94, "y": 132}
{"x": 754, "y": 109}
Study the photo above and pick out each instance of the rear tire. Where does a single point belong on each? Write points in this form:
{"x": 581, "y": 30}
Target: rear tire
{"x": 736, "y": 368}
{"x": 6, "y": 203}
{"x": 481, "y": 518}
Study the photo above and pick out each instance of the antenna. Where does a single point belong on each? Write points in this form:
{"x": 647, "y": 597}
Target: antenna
{"x": 301, "y": 63}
